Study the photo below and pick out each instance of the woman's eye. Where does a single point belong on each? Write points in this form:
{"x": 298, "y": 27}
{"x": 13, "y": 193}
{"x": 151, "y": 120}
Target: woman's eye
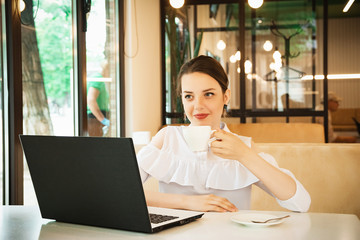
{"x": 187, "y": 96}
{"x": 209, "y": 94}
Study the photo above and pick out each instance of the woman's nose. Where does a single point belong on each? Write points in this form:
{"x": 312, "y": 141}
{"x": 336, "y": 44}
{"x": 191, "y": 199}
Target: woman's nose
{"x": 199, "y": 103}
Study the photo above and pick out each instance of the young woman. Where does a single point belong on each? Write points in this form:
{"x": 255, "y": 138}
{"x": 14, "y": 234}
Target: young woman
{"x": 221, "y": 178}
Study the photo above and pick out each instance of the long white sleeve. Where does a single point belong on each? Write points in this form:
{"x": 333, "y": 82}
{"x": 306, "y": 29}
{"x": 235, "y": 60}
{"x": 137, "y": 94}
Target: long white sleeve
{"x": 301, "y": 200}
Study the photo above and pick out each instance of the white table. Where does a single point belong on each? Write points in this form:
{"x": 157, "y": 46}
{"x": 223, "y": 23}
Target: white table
{"x": 25, "y": 222}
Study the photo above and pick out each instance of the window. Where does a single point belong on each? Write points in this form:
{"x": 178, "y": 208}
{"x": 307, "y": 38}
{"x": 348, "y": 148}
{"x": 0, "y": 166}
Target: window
{"x": 51, "y": 65}
{"x": 101, "y": 60}
{"x": 47, "y": 74}
{"x": 263, "y": 88}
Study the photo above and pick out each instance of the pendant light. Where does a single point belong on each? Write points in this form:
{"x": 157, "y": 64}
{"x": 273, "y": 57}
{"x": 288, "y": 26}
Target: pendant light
{"x": 255, "y": 3}
{"x": 177, "y": 3}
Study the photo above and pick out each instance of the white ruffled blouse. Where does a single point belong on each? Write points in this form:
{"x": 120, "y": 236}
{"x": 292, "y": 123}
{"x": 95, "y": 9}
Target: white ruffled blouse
{"x": 182, "y": 171}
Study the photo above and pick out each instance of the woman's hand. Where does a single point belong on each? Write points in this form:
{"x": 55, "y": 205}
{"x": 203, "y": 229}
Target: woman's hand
{"x": 208, "y": 203}
{"x": 229, "y": 146}
{"x": 202, "y": 203}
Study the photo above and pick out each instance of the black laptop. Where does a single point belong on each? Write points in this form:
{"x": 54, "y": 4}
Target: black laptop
{"x": 94, "y": 181}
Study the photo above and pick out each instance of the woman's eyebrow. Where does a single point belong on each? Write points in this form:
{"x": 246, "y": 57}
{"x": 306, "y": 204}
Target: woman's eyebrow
{"x": 205, "y": 90}
{"x": 209, "y": 89}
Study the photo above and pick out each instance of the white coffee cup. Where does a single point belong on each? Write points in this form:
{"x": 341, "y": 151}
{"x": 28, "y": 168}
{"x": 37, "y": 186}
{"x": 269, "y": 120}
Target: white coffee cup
{"x": 197, "y": 137}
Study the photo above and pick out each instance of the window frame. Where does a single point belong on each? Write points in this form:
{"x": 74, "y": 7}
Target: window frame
{"x": 12, "y": 100}
{"x": 242, "y": 112}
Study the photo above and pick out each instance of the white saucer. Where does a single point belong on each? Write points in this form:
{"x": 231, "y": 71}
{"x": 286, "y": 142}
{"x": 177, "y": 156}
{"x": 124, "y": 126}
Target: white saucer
{"x": 247, "y": 218}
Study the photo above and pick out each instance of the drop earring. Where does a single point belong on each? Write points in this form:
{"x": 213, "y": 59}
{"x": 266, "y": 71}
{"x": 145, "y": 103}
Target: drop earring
{"x": 185, "y": 118}
{"x": 224, "y": 110}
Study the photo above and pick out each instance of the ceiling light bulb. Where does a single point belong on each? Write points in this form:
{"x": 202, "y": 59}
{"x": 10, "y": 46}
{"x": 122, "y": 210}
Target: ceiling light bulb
{"x": 277, "y": 55}
{"x": 272, "y": 66}
{"x": 248, "y": 66}
{"x": 267, "y": 46}
{"x": 221, "y": 45}
{"x": 177, "y": 3}
{"x": 238, "y": 55}
{"x": 232, "y": 58}
{"x": 255, "y": 3}
{"x": 278, "y": 66}
{"x": 22, "y": 5}
{"x": 278, "y": 61}
{"x": 177, "y": 20}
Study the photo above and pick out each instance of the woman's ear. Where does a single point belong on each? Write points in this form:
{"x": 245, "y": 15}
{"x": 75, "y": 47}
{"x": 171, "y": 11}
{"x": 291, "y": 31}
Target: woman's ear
{"x": 227, "y": 95}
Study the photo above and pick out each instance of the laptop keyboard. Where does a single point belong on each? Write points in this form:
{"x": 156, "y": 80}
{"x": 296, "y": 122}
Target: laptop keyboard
{"x": 156, "y": 218}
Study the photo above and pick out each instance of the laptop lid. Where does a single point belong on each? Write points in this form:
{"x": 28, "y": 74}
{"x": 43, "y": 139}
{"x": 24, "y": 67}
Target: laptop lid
{"x": 90, "y": 181}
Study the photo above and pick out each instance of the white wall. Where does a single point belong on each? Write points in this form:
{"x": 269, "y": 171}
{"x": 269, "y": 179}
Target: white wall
{"x": 142, "y": 66}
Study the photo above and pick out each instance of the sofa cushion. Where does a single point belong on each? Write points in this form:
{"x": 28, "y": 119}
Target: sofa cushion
{"x": 342, "y": 119}
{"x": 329, "y": 172}
{"x": 280, "y": 132}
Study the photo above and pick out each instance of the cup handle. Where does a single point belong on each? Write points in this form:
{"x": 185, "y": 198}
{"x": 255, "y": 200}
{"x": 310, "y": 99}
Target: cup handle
{"x": 211, "y": 139}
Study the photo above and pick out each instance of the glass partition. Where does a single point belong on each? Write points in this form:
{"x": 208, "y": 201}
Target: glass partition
{"x": 209, "y": 29}
{"x": 282, "y": 51}
{"x": 47, "y": 74}
{"x": 179, "y": 47}
{"x": 219, "y": 24}
{"x": 281, "y": 46}
{"x": 101, "y": 50}
{"x": 48, "y": 69}
{"x": 344, "y": 71}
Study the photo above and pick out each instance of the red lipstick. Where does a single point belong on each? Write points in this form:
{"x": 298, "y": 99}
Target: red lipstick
{"x": 201, "y": 115}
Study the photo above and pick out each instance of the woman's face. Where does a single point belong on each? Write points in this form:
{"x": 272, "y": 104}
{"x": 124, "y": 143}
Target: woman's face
{"x": 203, "y": 99}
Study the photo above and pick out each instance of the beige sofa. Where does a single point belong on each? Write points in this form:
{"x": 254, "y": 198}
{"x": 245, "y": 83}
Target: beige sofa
{"x": 342, "y": 119}
{"x": 280, "y": 132}
{"x": 330, "y": 173}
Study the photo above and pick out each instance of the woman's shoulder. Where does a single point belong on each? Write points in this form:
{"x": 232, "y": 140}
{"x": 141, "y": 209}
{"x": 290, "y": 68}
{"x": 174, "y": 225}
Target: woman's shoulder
{"x": 169, "y": 129}
{"x": 165, "y": 133}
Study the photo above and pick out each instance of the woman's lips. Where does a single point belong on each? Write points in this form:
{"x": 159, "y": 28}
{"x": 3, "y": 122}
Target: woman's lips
{"x": 201, "y": 115}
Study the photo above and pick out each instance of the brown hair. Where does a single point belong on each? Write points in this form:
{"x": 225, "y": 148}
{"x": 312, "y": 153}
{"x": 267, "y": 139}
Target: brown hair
{"x": 206, "y": 65}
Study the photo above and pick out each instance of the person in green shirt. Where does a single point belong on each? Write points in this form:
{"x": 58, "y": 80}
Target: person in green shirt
{"x": 98, "y": 105}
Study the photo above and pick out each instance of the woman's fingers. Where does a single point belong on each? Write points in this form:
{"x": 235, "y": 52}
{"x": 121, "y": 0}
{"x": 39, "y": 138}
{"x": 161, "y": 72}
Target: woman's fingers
{"x": 228, "y": 145}
{"x": 221, "y": 204}
{"x": 222, "y": 147}
{"x": 219, "y": 134}
{"x": 210, "y": 203}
